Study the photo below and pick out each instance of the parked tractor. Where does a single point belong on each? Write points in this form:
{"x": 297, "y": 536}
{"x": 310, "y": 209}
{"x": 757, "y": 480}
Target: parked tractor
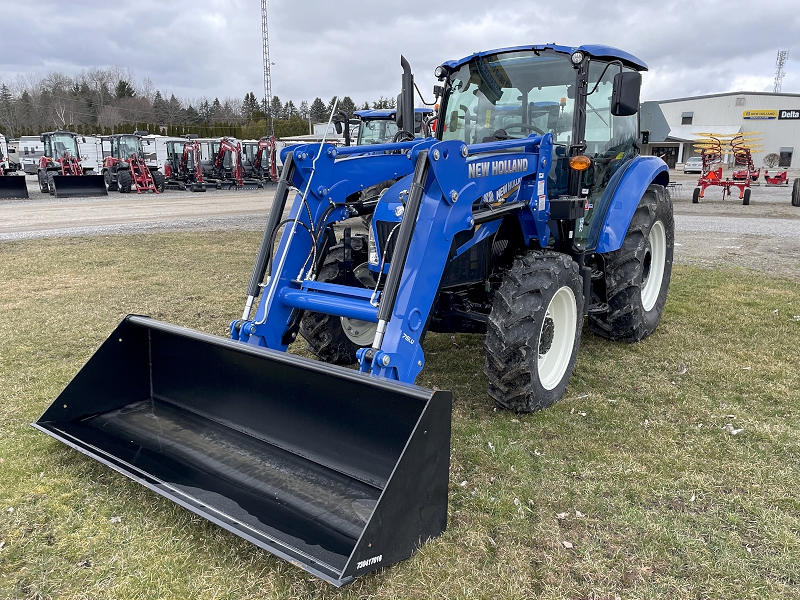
{"x": 60, "y": 172}
{"x": 11, "y": 185}
{"x": 125, "y": 169}
{"x": 183, "y": 167}
{"x": 529, "y": 210}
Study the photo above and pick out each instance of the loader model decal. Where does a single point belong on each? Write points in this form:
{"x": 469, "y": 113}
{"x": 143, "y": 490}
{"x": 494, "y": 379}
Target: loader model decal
{"x": 370, "y": 561}
{"x": 497, "y": 167}
{"x": 504, "y": 193}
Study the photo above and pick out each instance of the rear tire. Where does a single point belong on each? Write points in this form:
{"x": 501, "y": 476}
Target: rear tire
{"x": 746, "y": 197}
{"x": 796, "y": 193}
{"x": 325, "y": 335}
{"x": 158, "y": 180}
{"x": 696, "y": 196}
{"x": 637, "y": 275}
{"x": 124, "y": 181}
{"x": 111, "y": 185}
{"x": 51, "y": 186}
{"x": 534, "y": 331}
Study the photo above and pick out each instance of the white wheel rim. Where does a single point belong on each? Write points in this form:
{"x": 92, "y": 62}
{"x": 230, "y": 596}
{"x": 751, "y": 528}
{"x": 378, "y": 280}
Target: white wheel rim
{"x": 361, "y": 333}
{"x": 652, "y": 278}
{"x": 562, "y": 316}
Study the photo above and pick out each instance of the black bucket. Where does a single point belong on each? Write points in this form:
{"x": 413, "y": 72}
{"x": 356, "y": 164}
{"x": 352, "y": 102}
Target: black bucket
{"x": 68, "y": 186}
{"x": 13, "y": 186}
{"x": 337, "y": 472}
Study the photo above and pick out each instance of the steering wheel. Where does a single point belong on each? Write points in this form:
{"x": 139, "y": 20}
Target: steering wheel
{"x": 522, "y": 125}
{"x": 403, "y": 136}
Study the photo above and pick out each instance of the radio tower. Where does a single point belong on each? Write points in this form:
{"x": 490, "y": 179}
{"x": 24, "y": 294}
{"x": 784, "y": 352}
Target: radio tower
{"x": 779, "y": 72}
{"x": 267, "y": 65}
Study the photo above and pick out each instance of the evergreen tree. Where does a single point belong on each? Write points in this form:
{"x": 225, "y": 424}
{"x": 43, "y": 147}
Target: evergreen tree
{"x": 289, "y": 110}
{"x": 347, "y": 105}
{"x": 318, "y": 111}
{"x": 275, "y": 108}
{"x": 159, "y": 108}
{"x": 124, "y": 90}
{"x": 304, "y": 110}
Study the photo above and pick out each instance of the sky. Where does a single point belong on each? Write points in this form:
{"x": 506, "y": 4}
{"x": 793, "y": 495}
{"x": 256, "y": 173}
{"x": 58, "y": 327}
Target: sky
{"x": 213, "y": 48}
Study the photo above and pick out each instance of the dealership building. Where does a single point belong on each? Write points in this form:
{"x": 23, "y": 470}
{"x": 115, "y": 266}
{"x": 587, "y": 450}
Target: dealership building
{"x": 672, "y": 127}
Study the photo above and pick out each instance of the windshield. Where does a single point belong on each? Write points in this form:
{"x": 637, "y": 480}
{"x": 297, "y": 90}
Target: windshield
{"x": 511, "y": 95}
{"x": 129, "y": 145}
{"x": 376, "y": 131}
{"x": 63, "y": 143}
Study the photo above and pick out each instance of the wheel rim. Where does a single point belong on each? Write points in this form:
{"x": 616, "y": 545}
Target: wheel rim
{"x": 653, "y": 267}
{"x": 557, "y": 338}
{"x": 361, "y": 333}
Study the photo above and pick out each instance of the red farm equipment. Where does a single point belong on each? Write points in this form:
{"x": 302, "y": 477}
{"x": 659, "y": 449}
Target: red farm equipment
{"x": 11, "y": 186}
{"x": 261, "y": 160}
{"x": 227, "y": 170}
{"x": 125, "y": 168}
{"x": 183, "y": 168}
{"x": 60, "y": 172}
{"x": 743, "y": 146}
{"x": 779, "y": 179}
{"x": 712, "y": 148}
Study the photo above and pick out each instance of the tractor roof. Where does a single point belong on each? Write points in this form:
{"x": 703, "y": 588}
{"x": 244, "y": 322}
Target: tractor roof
{"x": 595, "y": 50}
{"x": 387, "y": 113}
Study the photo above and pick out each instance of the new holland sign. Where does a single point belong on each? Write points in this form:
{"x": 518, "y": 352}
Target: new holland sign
{"x": 792, "y": 113}
{"x": 760, "y": 115}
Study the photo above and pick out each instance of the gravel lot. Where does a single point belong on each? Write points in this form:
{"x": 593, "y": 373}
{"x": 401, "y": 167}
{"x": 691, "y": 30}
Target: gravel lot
{"x": 764, "y": 235}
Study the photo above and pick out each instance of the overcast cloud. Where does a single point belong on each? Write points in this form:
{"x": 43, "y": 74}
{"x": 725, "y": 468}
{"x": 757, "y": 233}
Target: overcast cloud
{"x": 212, "y": 48}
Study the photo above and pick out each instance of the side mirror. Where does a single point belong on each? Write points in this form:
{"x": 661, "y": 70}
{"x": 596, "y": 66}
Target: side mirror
{"x": 41, "y": 138}
{"x": 338, "y": 126}
{"x": 625, "y": 94}
{"x": 571, "y": 92}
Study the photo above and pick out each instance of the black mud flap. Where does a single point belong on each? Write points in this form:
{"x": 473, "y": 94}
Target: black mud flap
{"x": 68, "y": 186}
{"x": 13, "y": 186}
{"x": 338, "y": 472}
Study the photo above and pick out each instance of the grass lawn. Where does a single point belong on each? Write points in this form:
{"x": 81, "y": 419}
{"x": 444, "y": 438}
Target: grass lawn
{"x": 670, "y": 469}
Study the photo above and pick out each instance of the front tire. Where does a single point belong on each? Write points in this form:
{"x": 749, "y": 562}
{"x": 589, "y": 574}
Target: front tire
{"x": 111, "y": 185}
{"x": 51, "y": 186}
{"x": 534, "y": 331}
{"x": 746, "y": 197}
{"x": 336, "y": 339}
{"x": 43, "y": 186}
{"x": 637, "y": 275}
{"x": 124, "y": 181}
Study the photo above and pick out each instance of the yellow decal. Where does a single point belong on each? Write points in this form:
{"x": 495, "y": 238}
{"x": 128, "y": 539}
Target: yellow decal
{"x": 488, "y": 118}
{"x": 760, "y": 115}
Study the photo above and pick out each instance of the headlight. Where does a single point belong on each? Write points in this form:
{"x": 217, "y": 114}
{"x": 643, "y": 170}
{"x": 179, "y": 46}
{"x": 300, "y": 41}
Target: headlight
{"x": 577, "y": 57}
{"x": 372, "y": 249}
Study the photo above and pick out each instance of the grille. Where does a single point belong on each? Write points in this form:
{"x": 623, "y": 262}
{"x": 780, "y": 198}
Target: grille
{"x": 383, "y": 229}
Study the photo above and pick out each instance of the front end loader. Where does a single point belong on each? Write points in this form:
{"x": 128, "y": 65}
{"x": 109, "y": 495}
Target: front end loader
{"x": 11, "y": 186}
{"x": 60, "y": 172}
{"x": 124, "y": 169}
{"x": 529, "y": 211}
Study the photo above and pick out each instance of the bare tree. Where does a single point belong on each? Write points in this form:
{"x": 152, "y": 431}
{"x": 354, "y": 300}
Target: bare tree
{"x": 771, "y": 160}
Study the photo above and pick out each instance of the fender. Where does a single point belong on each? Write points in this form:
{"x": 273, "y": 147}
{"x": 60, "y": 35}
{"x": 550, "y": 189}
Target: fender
{"x": 622, "y": 197}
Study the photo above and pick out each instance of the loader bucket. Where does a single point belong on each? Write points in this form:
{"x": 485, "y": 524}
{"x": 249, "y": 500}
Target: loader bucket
{"x": 13, "y": 186}
{"x": 337, "y": 472}
{"x": 68, "y": 186}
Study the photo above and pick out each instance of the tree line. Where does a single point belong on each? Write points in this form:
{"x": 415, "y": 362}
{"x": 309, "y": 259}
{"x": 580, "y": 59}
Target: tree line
{"x": 106, "y": 101}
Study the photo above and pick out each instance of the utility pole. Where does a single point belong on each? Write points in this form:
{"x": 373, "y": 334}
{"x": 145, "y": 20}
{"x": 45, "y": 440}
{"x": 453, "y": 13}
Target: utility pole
{"x": 783, "y": 55}
{"x": 267, "y": 75}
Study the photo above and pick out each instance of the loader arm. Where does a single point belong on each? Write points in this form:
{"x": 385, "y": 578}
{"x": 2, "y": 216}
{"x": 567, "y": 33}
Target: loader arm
{"x": 449, "y": 178}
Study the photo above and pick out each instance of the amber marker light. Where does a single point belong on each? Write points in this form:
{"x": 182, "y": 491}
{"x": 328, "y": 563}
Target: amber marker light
{"x": 580, "y": 162}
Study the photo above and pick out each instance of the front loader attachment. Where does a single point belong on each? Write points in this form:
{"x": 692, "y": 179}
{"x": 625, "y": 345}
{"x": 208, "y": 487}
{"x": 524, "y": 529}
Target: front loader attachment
{"x": 13, "y": 186}
{"x": 337, "y": 472}
{"x": 68, "y": 186}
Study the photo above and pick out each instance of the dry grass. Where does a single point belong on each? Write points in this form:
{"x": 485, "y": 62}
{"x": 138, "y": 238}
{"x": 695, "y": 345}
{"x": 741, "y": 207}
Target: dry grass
{"x": 634, "y": 468}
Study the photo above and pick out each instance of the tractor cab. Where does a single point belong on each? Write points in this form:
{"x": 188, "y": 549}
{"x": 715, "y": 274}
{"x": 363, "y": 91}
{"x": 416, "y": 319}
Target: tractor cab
{"x": 123, "y": 147}
{"x": 60, "y": 144}
{"x": 586, "y": 98}
{"x": 379, "y": 126}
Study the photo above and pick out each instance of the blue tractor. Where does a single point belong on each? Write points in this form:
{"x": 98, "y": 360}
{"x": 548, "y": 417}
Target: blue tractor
{"x": 529, "y": 209}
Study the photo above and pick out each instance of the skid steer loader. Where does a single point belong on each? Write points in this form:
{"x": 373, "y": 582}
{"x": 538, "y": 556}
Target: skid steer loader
{"x": 530, "y": 209}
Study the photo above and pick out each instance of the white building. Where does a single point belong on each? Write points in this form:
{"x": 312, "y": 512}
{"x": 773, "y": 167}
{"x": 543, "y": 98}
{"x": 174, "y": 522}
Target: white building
{"x": 675, "y": 125}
